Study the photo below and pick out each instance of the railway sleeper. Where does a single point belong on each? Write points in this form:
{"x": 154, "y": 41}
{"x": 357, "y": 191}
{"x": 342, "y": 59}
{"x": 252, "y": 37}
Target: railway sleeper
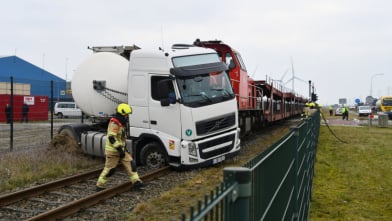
{"x": 67, "y": 194}
{"x": 49, "y": 202}
{"x": 22, "y": 210}
{"x": 79, "y": 187}
{"x": 95, "y": 210}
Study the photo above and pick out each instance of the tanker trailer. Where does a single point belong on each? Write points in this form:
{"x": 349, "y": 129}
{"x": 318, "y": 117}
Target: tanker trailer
{"x": 179, "y": 117}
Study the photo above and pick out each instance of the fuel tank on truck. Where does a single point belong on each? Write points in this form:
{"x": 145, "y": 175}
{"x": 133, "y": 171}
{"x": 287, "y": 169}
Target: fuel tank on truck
{"x": 100, "y": 83}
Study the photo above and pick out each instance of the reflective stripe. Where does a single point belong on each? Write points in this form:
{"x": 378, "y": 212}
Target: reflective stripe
{"x": 116, "y": 130}
{"x": 102, "y": 178}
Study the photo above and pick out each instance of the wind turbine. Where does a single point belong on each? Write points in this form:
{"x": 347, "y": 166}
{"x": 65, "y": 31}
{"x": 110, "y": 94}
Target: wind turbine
{"x": 254, "y": 72}
{"x": 284, "y": 74}
{"x": 293, "y": 76}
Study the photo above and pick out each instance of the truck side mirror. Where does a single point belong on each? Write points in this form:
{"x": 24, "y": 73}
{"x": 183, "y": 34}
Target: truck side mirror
{"x": 166, "y": 96}
{"x": 231, "y": 65}
{"x": 165, "y": 102}
{"x": 171, "y": 99}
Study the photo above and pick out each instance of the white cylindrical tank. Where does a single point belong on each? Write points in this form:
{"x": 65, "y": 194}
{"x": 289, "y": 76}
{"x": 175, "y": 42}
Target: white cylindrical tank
{"x": 378, "y": 104}
{"x": 107, "y": 67}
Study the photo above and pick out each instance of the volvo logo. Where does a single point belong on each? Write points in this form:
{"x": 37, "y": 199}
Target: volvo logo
{"x": 217, "y": 124}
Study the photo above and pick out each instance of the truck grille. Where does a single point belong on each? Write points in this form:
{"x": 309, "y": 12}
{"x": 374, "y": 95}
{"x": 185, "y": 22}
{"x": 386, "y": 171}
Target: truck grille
{"x": 215, "y": 124}
{"x": 215, "y": 142}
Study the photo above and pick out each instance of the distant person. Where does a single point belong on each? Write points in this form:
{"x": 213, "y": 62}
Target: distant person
{"x": 310, "y": 108}
{"x": 345, "y": 113}
{"x": 8, "y": 113}
{"x": 25, "y": 111}
{"x": 330, "y": 110}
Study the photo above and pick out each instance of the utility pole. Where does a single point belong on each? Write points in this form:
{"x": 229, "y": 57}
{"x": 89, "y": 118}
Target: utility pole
{"x": 371, "y": 82}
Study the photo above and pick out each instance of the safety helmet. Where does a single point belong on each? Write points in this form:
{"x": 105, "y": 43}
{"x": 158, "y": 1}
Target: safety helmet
{"x": 124, "y": 109}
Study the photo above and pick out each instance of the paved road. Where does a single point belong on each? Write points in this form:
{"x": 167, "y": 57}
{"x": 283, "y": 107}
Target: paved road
{"x": 353, "y": 122}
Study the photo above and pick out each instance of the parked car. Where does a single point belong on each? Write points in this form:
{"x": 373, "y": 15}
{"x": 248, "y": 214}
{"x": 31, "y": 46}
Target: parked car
{"x": 67, "y": 109}
{"x": 364, "y": 110}
{"x": 339, "y": 111}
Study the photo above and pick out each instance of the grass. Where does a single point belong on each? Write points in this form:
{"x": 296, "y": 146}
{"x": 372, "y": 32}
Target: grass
{"x": 353, "y": 180}
{"x": 23, "y": 168}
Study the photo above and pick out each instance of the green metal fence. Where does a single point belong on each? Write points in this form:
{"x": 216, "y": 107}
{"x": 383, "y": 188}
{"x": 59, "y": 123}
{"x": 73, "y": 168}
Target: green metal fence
{"x": 275, "y": 185}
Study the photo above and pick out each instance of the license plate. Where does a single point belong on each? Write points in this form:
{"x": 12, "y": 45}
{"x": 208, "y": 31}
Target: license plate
{"x": 218, "y": 160}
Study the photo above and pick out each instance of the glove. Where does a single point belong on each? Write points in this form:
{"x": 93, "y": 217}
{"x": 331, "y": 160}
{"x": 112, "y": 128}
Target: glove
{"x": 121, "y": 152}
{"x": 112, "y": 140}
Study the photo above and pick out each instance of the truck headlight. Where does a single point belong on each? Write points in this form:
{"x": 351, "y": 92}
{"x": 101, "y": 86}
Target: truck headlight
{"x": 192, "y": 149}
{"x": 238, "y": 136}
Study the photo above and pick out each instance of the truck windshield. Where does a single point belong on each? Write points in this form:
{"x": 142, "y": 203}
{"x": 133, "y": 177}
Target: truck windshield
{"x": 205, "y": 89}
{"x": 387, "y": 102}
{"x": 364, "y": 108}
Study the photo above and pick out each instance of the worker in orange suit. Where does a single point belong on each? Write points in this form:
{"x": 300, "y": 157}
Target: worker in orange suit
{"x": 115, "y": 149}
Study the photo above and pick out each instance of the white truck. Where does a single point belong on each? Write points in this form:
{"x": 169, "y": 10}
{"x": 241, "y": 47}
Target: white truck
{"x": 184, "y": 111}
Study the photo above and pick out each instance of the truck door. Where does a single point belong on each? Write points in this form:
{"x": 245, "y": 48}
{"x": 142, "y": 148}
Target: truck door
{"x": 166, "y": 119}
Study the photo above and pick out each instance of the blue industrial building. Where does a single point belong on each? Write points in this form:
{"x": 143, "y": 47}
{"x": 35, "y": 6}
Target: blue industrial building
{"x": 39, "y": 80}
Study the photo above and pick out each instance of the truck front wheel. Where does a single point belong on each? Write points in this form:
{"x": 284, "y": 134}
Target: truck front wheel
{"x": 153, "y": 155}
{"x": 65, "y": 141}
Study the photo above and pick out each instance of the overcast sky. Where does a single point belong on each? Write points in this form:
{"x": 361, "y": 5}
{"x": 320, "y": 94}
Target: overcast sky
{"x": 343, "y": 46}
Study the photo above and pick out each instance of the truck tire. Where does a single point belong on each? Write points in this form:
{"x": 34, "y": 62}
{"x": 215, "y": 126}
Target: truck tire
{"x": 68, "y": 133}
{"x": 60, "y": 115}
{"x": 65, "y": 141}
{"x": 153, "y": 155}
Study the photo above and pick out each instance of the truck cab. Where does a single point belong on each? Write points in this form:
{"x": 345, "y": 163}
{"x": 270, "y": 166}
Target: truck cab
{"x": 189, "y": 107}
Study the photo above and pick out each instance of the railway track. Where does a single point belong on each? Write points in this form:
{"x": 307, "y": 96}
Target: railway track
{"x": 75, "y": 197}
{"x": 62, "y": 198}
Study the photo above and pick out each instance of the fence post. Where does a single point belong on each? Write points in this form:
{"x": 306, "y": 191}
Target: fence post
{"x": 237, "y": 207}
{"x": 12, "y": 115}
{"x": 51, "y": 110}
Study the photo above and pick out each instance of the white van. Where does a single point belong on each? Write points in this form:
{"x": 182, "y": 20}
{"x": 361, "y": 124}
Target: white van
{"x": 364, "y": 110}
{"x": 66, "y": 109}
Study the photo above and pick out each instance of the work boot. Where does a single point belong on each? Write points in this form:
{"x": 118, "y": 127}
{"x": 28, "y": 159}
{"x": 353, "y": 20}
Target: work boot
{"x": 138, "y": 185}
{"x": 97, "y": 189}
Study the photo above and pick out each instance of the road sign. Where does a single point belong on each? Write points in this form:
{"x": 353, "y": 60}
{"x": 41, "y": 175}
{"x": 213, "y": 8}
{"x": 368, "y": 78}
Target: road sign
{"x": 369, "y": 100}
{"x": 342, "y": 100}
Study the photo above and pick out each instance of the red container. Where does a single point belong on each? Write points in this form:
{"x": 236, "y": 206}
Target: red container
{"x": 38, "y": 107}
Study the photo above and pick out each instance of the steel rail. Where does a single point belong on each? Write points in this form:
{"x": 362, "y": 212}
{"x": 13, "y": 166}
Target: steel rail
{"x": 88, "y": 201}
{"x": 37, "y": 190}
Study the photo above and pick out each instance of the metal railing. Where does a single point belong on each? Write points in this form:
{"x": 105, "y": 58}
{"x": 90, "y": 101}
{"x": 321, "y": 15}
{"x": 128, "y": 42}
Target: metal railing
{"x": 275, "y": 185}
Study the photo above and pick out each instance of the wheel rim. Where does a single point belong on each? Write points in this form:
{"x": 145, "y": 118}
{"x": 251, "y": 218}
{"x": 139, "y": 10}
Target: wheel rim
{"x": 155, "y": 159}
